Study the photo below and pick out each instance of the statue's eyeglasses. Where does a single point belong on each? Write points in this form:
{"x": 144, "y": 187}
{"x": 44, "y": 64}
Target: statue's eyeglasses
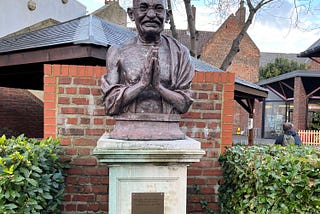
{"x": 158, "y": 9}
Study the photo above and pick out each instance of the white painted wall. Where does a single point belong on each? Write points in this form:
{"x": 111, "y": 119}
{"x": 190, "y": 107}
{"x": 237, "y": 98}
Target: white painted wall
{"x": 15, "y": 14}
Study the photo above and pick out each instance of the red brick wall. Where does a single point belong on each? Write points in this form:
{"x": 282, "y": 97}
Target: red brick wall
{"x": 300, "y": 105}
{"x": 246, "y": 63}
{"x": 210, "y": 121}
{"x": 20, "y": 113}
{"x": 72, "y": 113}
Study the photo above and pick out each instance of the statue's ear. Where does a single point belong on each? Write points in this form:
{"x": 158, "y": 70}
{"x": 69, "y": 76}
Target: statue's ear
{"x": 168, "y": 15}
{"x": 130, "y": 13}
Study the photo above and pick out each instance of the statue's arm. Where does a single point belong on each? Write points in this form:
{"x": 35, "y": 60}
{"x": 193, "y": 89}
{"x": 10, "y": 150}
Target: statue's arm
{"x": 177, "y": 100}
{"x": 181, "y": 97}
{"x": 132, "y": 91}
{"x": 116, "y": 93}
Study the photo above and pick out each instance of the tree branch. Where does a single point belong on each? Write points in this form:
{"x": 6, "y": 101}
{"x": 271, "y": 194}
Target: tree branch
{"x": 235, "y": 47}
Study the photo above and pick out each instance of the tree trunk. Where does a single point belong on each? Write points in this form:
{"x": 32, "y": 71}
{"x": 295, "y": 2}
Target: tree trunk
{"x": 172, "y": 25}
{"x": 192, "y": 28}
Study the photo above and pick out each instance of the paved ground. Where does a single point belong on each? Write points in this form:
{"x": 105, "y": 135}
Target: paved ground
{"x": 244, "y": 139}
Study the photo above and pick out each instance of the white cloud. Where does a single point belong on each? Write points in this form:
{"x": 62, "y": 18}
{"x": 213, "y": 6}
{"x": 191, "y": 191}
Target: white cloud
{"x": 92, "y": 5}
{"x": 272, "y": 39}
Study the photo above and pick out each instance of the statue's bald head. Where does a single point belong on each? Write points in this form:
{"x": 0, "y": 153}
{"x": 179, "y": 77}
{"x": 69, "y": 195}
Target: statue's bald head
{"x": 149, "y": 17}
{"x": 135, "y": 3}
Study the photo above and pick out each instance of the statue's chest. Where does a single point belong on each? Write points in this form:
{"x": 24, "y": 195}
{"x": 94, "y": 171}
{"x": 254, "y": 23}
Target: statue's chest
{"x": 134, "y": 63}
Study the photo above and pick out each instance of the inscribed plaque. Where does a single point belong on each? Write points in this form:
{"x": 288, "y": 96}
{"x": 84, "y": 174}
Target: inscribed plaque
{"x": 147, "y": 203}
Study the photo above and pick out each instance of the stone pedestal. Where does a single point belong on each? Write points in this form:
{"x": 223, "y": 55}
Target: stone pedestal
{"x": 146, "y": 126}
{"x": 147, "y": 166}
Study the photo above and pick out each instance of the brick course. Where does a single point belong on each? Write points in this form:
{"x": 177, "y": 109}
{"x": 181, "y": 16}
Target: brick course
{"x": 300, "y": 105}
{"x": 78, "y": 120}
{"x": 20, "y": 113}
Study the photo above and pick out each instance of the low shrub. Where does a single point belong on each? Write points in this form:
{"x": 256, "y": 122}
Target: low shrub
{"x": 270, "y": 179}
{"x": 31, "y": 175}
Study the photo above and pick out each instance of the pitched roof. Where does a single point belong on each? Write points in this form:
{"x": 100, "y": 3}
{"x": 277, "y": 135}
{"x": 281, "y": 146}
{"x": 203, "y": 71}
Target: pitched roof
{"x": 312, "y": 51}
{"x": 282, "y": 85}
{"x": 84, "y": 30}
{"x": 203, "y": 66}
{"x": 292, "y": 74}
{"x": 250, "y": 84}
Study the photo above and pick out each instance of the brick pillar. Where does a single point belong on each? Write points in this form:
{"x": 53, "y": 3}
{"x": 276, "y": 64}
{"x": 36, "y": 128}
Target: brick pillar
{"x": 300, "y": 105}
{"x": 210, "y": 121}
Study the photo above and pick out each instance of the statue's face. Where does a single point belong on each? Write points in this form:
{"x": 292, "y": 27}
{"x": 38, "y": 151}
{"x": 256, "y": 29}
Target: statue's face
{"x": 149, "y": 16}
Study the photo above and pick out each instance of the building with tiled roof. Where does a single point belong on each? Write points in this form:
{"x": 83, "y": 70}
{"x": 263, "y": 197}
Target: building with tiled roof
{"x": 16, "y": 14}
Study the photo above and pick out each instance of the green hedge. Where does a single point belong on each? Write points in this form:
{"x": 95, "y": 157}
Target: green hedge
{"x": 31, "y": 179}
{"x": 270, "y": 179}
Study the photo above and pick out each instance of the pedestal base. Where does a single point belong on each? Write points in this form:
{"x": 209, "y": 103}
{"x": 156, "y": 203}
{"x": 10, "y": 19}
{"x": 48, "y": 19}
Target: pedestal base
{"x": 127, "y": 179}
{"x": 140, "y": 166}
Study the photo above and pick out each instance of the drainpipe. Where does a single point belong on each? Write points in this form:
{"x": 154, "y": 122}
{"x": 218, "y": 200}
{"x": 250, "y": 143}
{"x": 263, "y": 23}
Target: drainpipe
{"x": 263, "y": 118}
{"x": 250, "y": 130}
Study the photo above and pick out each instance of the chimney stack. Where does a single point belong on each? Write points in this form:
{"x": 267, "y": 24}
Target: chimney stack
{"x": 241, "y": 13}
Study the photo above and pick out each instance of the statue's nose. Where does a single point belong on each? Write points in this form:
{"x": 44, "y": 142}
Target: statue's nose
{"x": 151, "y": 12}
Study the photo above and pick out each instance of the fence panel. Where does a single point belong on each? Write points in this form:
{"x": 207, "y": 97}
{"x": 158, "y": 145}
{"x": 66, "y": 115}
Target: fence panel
{"x": 310, "y": 137}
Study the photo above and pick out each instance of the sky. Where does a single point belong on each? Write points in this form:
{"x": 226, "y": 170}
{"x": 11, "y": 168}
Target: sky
{"x": 274, "y": 28}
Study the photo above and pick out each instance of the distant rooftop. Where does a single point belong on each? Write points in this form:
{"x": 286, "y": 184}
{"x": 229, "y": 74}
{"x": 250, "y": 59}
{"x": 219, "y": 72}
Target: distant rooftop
{"x": 266, "y": 58}
{"x": 184, "y": 37}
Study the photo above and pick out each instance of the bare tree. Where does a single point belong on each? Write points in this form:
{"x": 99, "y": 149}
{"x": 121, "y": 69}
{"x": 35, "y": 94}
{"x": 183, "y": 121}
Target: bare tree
{"x": 191, "y": 27}
{"x": 221, "y": 4}
{"x": 172, "y": 24}
{"x": 224, "y": 7}
{"x": 235, "y": 47}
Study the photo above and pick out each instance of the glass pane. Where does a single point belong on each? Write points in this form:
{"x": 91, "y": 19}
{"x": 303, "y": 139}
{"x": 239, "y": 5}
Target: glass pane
{"x": 272, "y": 96}
{"x": 274, "y": 118}
{"x": 313, "y": 120}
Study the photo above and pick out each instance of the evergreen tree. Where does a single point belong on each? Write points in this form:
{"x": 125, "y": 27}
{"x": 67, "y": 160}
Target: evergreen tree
{"x": 279, "y": 66}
